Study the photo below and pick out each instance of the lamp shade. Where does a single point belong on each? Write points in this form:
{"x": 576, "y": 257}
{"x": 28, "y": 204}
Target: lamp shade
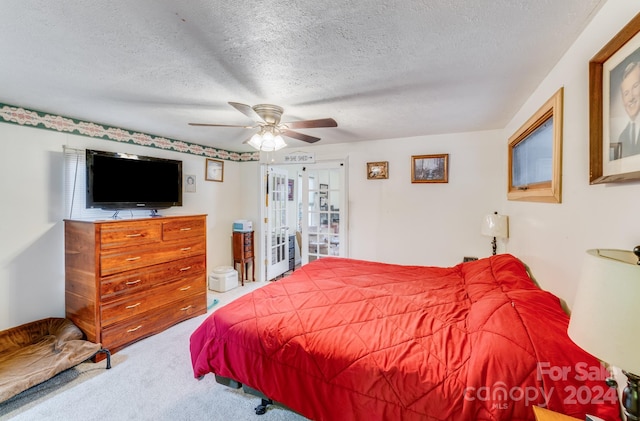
{"x": 494, "y": 225}
{"x": 604, "y": 317}
{"x": 256, "y": 141}
{"x": 279, "y": 143}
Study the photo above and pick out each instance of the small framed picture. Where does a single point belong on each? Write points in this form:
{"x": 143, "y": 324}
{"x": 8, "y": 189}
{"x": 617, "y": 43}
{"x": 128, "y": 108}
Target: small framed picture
{"x": 377, "y": 170}
{"x": 214, "y": 170}
{"x": 430, "y": 168}
{"x": 190, "y": 183}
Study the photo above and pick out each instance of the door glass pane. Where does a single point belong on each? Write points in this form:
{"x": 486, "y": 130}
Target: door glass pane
{"x": 277, "y": 223}
{"x": 323, "y": 213}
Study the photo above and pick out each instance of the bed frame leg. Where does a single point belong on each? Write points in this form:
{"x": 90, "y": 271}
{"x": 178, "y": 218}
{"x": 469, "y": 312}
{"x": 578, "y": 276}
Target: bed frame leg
{"x": 108, "y": 354}
{"x": 262, "y": 408}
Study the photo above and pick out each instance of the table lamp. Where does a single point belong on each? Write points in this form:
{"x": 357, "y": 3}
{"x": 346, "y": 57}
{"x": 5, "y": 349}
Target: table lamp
{"x": 494, "y": 225}
{"x": 604, "y": 318}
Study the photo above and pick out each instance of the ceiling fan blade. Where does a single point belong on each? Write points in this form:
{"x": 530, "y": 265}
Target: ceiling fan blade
{"x": 300, "y": 136}
{"x": 246, "y": 110}
{"x": 221, "y": 125}
{"x": 310, "y": 124}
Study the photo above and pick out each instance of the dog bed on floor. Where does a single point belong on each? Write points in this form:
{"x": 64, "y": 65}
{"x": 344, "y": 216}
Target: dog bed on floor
{"x": 36, "y": 351}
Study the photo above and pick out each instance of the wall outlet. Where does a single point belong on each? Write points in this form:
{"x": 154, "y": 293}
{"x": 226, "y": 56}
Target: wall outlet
{"x": 469, "y": 259}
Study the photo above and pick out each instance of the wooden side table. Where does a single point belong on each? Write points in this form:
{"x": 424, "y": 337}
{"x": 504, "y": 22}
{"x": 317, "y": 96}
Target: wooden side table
{"x": 243, "y": 254}
{"x": 543, "y": 414}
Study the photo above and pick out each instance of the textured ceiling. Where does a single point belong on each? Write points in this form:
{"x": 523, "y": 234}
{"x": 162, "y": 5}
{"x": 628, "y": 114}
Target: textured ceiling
{"x": 381, "y": 69}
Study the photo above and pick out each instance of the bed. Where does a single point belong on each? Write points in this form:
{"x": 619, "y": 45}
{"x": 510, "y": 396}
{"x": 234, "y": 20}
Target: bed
{"x": 350, "y": 340}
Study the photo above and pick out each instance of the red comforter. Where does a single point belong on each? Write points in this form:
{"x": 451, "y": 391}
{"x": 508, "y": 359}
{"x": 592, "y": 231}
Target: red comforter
{"x": 344, "y": 339}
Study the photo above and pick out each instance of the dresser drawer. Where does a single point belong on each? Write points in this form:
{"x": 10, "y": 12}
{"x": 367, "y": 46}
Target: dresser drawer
{"x": 131, "y": 258}
{"x": 151, "y": 322}
{"x": 131, "y": 282}
{"x": 125, "y": 283}
{"x": 248, "y": 245}
{"x": 134, "y": 304}
{"x": 183, "y": 228}
{"x": 125, "y": 234}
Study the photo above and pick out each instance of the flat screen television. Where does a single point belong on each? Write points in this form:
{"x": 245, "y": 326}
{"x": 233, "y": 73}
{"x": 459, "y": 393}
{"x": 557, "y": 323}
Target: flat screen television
{"x": 126, "y": 181}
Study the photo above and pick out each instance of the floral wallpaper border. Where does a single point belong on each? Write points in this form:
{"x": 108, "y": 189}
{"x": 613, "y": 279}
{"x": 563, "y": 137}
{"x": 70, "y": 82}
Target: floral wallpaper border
{"x": 41, "y": 120}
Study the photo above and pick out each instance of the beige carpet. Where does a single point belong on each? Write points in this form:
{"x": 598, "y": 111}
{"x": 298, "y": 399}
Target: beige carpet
{"x": 149, "y": 380}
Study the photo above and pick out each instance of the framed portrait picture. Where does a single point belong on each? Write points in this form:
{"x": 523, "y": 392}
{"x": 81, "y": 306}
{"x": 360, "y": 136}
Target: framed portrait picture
{"x": 214, "y": 170}
{"x": 377, "y": 170}
{"x": 190, "y": 183}
{"x": 614, "y": 108}
{"x": 430, "y": 168}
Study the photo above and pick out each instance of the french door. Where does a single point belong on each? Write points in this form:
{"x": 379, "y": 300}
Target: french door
{"x": 324, "y": 211}
{"x": 277, "y": 230}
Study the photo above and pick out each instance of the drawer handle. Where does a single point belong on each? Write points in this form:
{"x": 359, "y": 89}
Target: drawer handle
{"x": 133, "y": 306}
{"x": 185, "y": 249}
{"x": 185, "y": 288}
{"x": 137, "y": 281}
{"x": 185, "y": 308}
{"x": 134, "y": 329}
{"x": 184, "y": 269}
{"x": 133, "y": 235}
{"x": 131, "y": 259}
{"x": 185, "y": 229}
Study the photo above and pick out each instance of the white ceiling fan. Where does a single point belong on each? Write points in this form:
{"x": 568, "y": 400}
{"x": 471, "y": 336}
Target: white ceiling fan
{"x": 270, "y": 128}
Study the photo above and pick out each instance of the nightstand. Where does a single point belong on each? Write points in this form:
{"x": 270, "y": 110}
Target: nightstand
{"x": 547, "y": 415}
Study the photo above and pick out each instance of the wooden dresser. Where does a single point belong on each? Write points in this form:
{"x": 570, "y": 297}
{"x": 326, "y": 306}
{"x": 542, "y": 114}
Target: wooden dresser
{"x": 129, "y": 279}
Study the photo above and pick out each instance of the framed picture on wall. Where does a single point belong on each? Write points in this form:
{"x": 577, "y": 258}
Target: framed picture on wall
{"x": 214, "y": 170}
{"x": 430, "y": 168}
{"x": 614, "y": 108}
{"x": 377, "y": 170}
{"x": 190, "y": 183}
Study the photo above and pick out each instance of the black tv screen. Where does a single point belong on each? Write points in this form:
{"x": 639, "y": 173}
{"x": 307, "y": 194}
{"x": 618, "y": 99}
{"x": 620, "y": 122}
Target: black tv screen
{"x": 126, "y": 181}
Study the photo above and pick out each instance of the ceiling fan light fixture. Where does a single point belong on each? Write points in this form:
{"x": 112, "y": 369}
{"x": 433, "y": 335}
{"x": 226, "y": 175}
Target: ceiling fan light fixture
{"x": 267, "y": 136}
{"x": 279, "y": 143}
{"x": 256, "y": 141}
{"x": 271, "y": 130}
{"x": 268, "y": 142}
{"x": 264, "y": 140}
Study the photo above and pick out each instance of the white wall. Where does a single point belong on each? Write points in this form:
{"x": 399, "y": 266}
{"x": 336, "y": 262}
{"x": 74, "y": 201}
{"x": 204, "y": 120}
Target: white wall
{"x": 396, "y": 221}
{"x": 552, "y": 238}
{"x": 32, "y": 213}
